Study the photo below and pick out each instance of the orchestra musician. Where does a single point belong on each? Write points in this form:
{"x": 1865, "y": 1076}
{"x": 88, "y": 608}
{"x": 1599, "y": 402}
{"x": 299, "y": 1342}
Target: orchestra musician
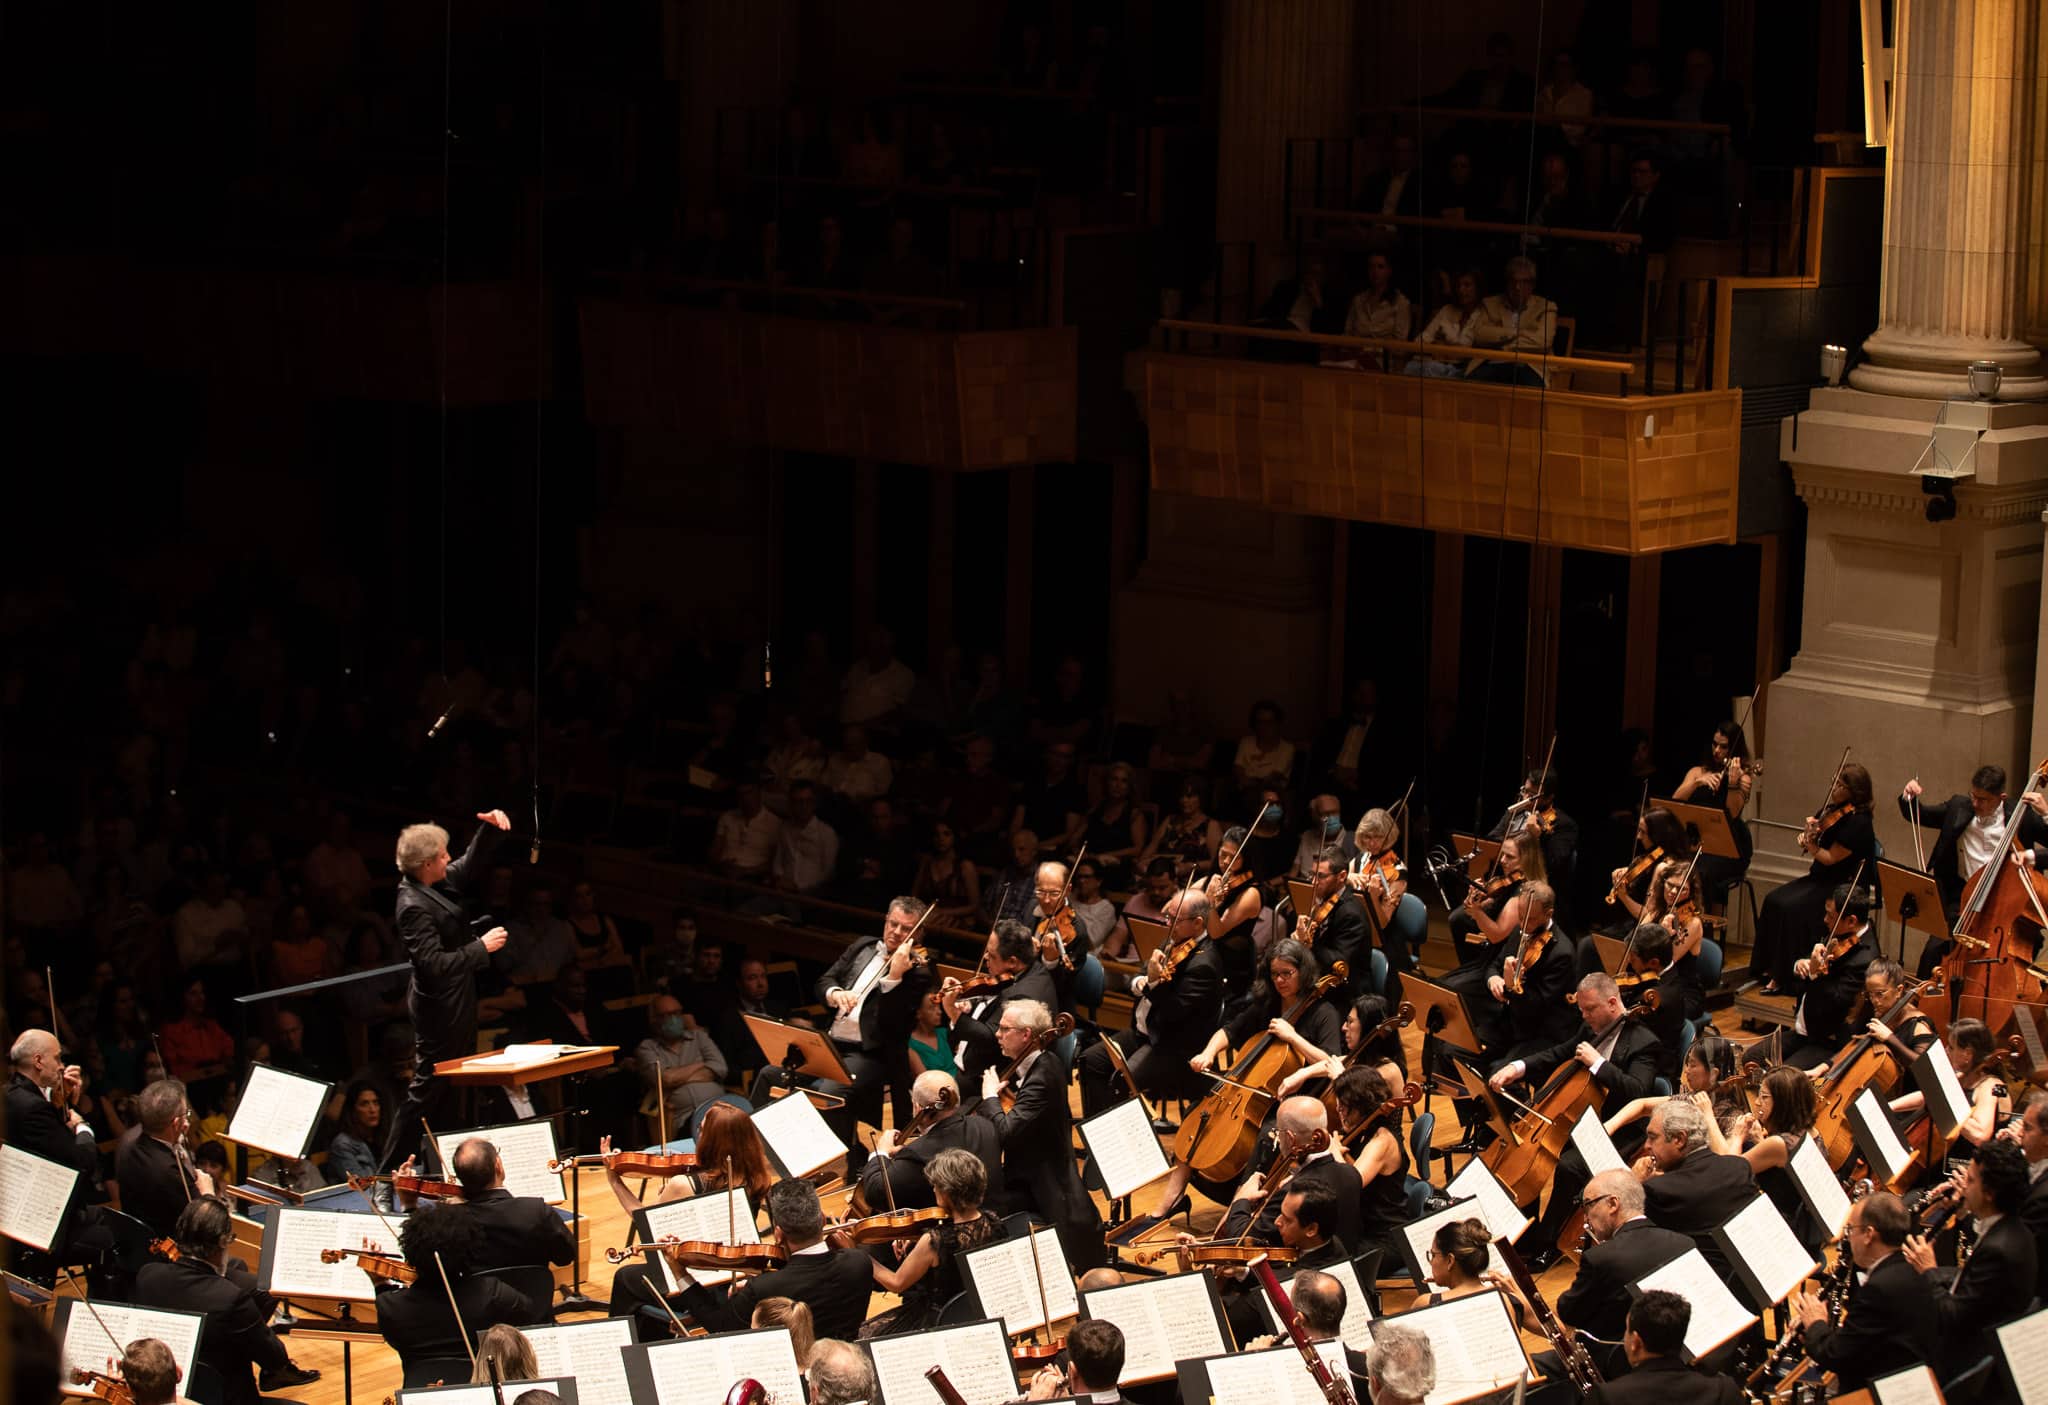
{"x": 238, "y": 1339}
{"x": 1235, "y": 903}
{"x": 1769, "y": 1138}
{"x": 1459, "y": 1253}
{"x": 1380, "y": 879}
{"x": 1401, "y": 1367}
{"x": 1724, "y": 777}
{"x": 930, "y": 1275}
{"x": 1306, "y": 1223}
{"x": 152, "y": 1166}
{"x": 1676, "y": 903}
{"x": 1381, "y": 1160}
{"x": 1710, "y": 1077}
{"x": 1367, "y": 1044}
{"x": 1647, "y": 980}
{"x": 1558, "y": 832}
{"x": 1997, "y": 1284}
{"x": 836, "y": 1284}
{"x": 1173, "y": 1018}
{"x": 725, "y": 1138}
{"x": 1492, "y": 911}
{"x": 418, "y": 1320}
{"x": 905, "y": 1167}
{"x": 1660, "y": 838}
{"x": 1626, "y": 1245}
{"x": 1015, "y": 973}
{"x": 1970, "y": 1054}
{"x": 2030, "y": 1133}
{"x": 1062, "y": 935}
{"x": 1287, "y": 974}
{"x": 1968, "y": 833}
{"x": 1888, "y": 1322}
{"x": 45, "y": 1123}
{"x": 1095, "y": 1363}
{"x": 1037, "y": 1131}
{"x": 1336, "y": 927}
{"x": 1687, "y": 1186}
{"x": 1827, "y": 987}
{"x": 152, "y": 1374}
{"x": 1530, "y": 1005}
{"x": 432, "y": 923}
{"x": 1657, "y": 1373}
{"x": 1294, "y": 1128}
{"x": 1839, "y": 840}
{"x": 511, "y": 1229}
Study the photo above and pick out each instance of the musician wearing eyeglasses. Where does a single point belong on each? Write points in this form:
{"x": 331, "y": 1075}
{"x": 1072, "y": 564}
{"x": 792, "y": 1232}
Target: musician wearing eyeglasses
{"x": 1887, "y": 1325}
{"x": 1997, "y": 1284}
{"x": 1558, "y": 833}
{"x": 1011, "y": 962}
{"x": 1626, "y": 1245}
{"x": 1037, "y": 1130}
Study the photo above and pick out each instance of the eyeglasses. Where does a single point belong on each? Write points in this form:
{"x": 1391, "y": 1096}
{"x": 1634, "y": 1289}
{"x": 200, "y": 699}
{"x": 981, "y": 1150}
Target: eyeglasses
{"x": 1585, "y": 1204}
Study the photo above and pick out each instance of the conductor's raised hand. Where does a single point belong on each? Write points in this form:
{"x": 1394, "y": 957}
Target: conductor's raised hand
{"x": 495, "y": 939}
{"x": 497, "y": 818}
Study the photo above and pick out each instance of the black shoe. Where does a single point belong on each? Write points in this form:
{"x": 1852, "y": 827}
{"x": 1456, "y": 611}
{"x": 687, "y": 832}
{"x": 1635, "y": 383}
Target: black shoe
{"x": 284, "y": 1378}
{"x": 1543, "y": 1258}
{"x": 1163, "y": 1127}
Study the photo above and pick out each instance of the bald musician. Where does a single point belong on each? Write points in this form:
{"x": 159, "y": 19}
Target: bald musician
{"x": 903, "y": 1166}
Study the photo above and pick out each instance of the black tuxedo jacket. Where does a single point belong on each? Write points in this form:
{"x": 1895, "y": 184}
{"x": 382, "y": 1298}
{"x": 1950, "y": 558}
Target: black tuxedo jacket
{"x": 1598, "y": 1300}
{"x": 154, "y": 1188}
{"x": 1037, "y": 1135}
{"x": 1342, "y": 1182}
{"x": 1829, "y": 997}
{"x": 905, "y": 1170}
{"x": 1951, "y": 817}
{"x": 237, "y": 1337}
{"x": 1542, "y": 1011}
{"x": 36, "y": 1126}
{"x": 1183, "y": 1012}
{"x": 1626, "y": 1075}
{"x": 417, "y": 1322}
{"x": 1699, "y": 1194}
{"x": 1887, "y": 1328}
{"x": 1346, "y": 937}
{"x": 2034, "y": 1215}
{"x": 433, "y": 925}
{"x": 518, "y": 1229}
{"x": 1995, "y": 1286}
{"x": 1665, "y": 1380}
{"x": 887, "y": 1016}
{"x": 974, "y": 1040}
{"x": 834, "y": 1285}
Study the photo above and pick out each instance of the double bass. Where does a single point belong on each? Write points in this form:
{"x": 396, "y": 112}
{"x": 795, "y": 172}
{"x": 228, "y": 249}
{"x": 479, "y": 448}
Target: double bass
{"x": 1218, "y": 1138}
{"x": 1990, "y": 966}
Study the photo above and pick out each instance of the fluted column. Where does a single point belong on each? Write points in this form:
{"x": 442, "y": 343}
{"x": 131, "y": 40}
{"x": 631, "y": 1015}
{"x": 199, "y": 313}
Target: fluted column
{"x": 1287, "y": 68}
{"x": 1966, "y": 75}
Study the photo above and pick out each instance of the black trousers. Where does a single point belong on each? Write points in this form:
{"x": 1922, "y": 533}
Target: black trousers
{"x": 429, "y": 1101}
{"x": 1158, "y": 1074}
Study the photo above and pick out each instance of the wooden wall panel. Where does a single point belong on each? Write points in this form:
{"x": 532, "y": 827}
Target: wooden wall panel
{"x": 1446, "y": 455}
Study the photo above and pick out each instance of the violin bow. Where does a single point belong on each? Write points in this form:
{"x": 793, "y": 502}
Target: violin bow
{"x": 1066, "y": 888}
{"x": 662, "y": 1302}
{"x": 1543, "y": 776}
{"x": 448, "y": 1287}
{"x": 1839, "y": 765}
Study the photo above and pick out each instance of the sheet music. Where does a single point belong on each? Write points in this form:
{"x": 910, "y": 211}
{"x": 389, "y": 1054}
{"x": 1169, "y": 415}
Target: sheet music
{"x": 87, "y": 1345}
{"x": 1589, "y": 1135}
{"x": 1164, "y": 1321}
{"x": 293, "y": 1239}
{"x": 700, "y": 1369}
{"x": 33, "y": 1194}
{"x": 1276, "y": 1377}
{"x": 1869, "y": 1110}
{"x": 1356, "y": 1329}
{"x": 1496, "y": 1206}
{"x": 722, "y": 1216}
{"x": 2030, "y": 1037}
{"x": 1421, "y": 1233}
{"x": 1476, "y": 1344}
{"x": 278, "y": 1112}
{"x": 1947, "y": 1093}
{"x": 525, "y": 1148}
{"x": 1001, "y": 1276}
{"x": 797, "y": 1134}
{"x": 2025, "y": 1344}
{"x": 483, "y": 1394}
{"x": 1125, "y": 1148}
{"x": 975, "y": 1357}
{"x": 592, "y": 1352}
{"x": 1716, "y": 1314}
{"x": 1913, "y": 1386}
{"x": 519, "y": 1055}
{"x": 1824, "y": 1194}
{"x": 1758, "y": 1235}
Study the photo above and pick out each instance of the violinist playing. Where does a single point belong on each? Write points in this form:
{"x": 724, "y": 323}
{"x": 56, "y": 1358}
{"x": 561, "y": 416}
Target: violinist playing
{"x": 1622, "y": 1057}
{"x": 417, "y": 1319}
{"x": 1380, "y": 879}
{"x": 1653, "y": 997}
{"x": 150, "y": 1372}
{"x": 1675, "y": 904}
{"x": 1037, "y": 1130}
{"x": 1336, "y": 926}
{"x": 953, "y": 1128}
{"x": 835, "y": 1283}
{"x": 1724, "y": 777}
{"x": 1659, "y": 837}
{"x": 1530, "y": 980}
{"x": 1177, "y": 1008}
{"x": 1254, "y": 1214}
{"x": 1830, "y": 978}
{"x": 238, "y": 1337}
{"x": 1973, "y": 1054}
{"x": 1235, "y": 903}
{"x": 1062, "y": 937}
{"x": 1307, "y": 1224}
{"x": 929, "y": 1275}
{"x": 1536, "y": 810}
{"x": 1011, "y": 972}
{"x": 1492, "y": 911}
{"x": 1838, "y": 840}
{"x": 1884, "y": 985}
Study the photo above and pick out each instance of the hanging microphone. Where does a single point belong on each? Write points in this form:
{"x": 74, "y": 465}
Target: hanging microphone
{"x": 767, "y": 665}
{"x": 533, "y": 849}
{"x": 442, "y": 721}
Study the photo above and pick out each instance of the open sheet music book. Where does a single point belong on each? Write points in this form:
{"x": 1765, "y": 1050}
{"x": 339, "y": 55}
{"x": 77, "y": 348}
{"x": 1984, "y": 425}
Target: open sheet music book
{"x": 290, "y": 1266}
{"x": 1478, "y": 1348}
{"x": 974, "y": 1355}
{"x": 1164, "y": 1321}
{"x": 279, "y": 1112}
{"x": 1496, "y": 1206}
{"x": 2025, "y": 1344}
{"x": 1913, "y": 1386}
{"x": 1818, "y": 1187}
{"x": 1125, "y": 1149}
{"x": 33, "y": 1195}
{"x": 1870, "y": 1123}
{"x": 1418, "y": 1235}
{"x": 524, "y": 1147}
{"x": 697, "y": 1370}
{"x": 1764, "y": 1252}
{"x": 1275, "y": 1377}
{"x": 88, "y": 1335}
{"x": 721, "y": 1216}
{"x": 1356, "y": 1329}
{"x": 592, "y": 1352}
{"x": 1589, "y": 1135}
{"x": 520, "y": 1055}
{"x": 797, "y": 1136}
{"x": 1717, "y": 1315}
{"x": 1000, "y": 1276}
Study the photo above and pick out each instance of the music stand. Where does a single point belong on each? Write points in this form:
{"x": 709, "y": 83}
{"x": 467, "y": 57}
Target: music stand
{"x": 1147, "y": 934}
{"x": 1442, "y": 1014}
{"x": 797, "y": 1050}
{"x": 1483, "y": 853}
{"x": 1912, "y": 899}
{"x": 1709, "y": 823}
{"x": 1476, "y": 1084}
{"x": 1302, "y": 895}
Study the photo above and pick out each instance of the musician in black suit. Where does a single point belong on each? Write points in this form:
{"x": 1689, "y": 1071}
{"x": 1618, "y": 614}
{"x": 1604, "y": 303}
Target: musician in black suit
{"x": 513, "y": 1229}
{"x": 1626, "y": 1245}
{"x": 871, "y": 994}
{"x": 1657, "y": 1373}
{"x": 37, "y": 1125}
{"x": 1827, "y": 989}
{"x": 1997, "y": 1284}
{"x": 1888, "y": 1324}
{"x": 237, "y": 1336}
{"x": 835, "y": 1284}
{"x": 1011, "y": 958}
{"x": 1969, "y": 827}
{"x": 1622, "y": 1056}
{"x": 433, "y": 925}
{"x": 418, "y": 1320}
{"x": 1687, "y": 1187}
{"x": 1295, "y": 1127}
{"x": 1343, "y": 935}
{"x": 1519, "y": 1023}
{"x": 151, "y": 1165}
{"x": 1174, "y": 1017}
{"x": 904, "y": 1168}
{"x": 1095, "y": 1362}
{"x": 2032, "y": 1136}
{"x": 1306, "y": 1223}
{"x": 1560, "y": 832}
{"x": 1037, "y": 1131}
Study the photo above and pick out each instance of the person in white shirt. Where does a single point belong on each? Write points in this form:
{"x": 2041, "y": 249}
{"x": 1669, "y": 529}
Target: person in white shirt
{"x": 854, "y": 772}
{"x": 1517, "y": 320}
{"x": 807, "y": 850}
{"x": 1325, "y": 830}
{"x": 744, "y": 843}
{"x": 1452, "y": 326}
{"x": 1379, "y": 309}
{"x": 878, "y": 684}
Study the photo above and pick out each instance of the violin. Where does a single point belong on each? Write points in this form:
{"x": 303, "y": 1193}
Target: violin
{"x": 1384, "y": 866}
{"x": 380, "y": 1266}
{"x": 1637, "y": 867}
{"x": 1313, "y": 923}
{"x": 165, "y": 1248}
{"x": 420, "y": 1187}
{"x": 112, "y": 1389}
{"x": 654, "y": 1165}
{"x": 1062, "y": 1025}
{"x": 1060, "y": 924}
{"x": 708, "y": 1255}
{"x": 1171, "y": 957}
{"x": 927, "y": 1118}
{"x": 1541, "y": 823}
{"x": 1823, "y": 822}
{"x": 1210, "y": 1254}
{"x": 1534, "y": 944}
{"x": 889, "y": 1226}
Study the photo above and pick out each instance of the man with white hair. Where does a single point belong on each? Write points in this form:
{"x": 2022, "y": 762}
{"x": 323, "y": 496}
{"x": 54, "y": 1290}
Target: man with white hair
{"x": 1037, "y": 1130}
{"x": 839, "y": 1374}
{"x": 37, "y": 1125}
{"x": 1401, "y": 1367}
{"x": 955, "y": 1126}
{"x": 434, "y": 925}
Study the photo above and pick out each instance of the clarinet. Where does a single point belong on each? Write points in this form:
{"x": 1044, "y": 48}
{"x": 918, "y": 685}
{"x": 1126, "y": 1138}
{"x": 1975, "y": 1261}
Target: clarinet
{"x": 1336, "y": 1391}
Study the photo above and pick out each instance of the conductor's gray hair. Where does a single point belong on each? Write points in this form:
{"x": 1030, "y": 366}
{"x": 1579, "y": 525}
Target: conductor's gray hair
{"x": 418, "y": 845}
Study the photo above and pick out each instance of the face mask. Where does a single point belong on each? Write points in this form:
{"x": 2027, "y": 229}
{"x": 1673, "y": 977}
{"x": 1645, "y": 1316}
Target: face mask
{"x": 1333, "y": 825}
{"x": 672, "y": 1027}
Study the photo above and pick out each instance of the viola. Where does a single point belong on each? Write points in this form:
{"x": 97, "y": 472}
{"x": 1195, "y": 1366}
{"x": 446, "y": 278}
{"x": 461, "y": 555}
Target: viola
{"x": 1410, "y": 1095}
{"x": 421, "y": 1187}
{"x": 1062, "y": 1025}
{"x": 654, "y": 1165}
{"x": 927, "y": 1118}
{"x": 112, "y": 1389}
{"x": 165, "y": 1248}
{"x": 708, "y": 1255}
{"x": 1541, "y": 823}
{"x": 1385, "y": 867}
{"x": 1637, "y": 867}
{"x": 380, "y": 1266}
{"x": 1534, "y": 944}
{"x": 889, "y": 1226}
{"x": 1060, "y": 925}
{"x": 1313, "y": 923}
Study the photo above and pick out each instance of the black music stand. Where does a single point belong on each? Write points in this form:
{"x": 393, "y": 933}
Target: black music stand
{"x": 1441, "y": 1012}
{"x": 1912, "y": 899}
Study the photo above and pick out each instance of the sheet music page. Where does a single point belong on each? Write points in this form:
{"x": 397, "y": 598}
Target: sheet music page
{"x": 1421, "y": 1233}
{"x": 700, "y": 1369}
{"x": 1716, "y": 1314}
{"x": 797, "y": 1134}
{"x": 1759, "y": 1236}
{"x": 1496, "y": 1206}
{"x": 1477, "y": 1347}
{"x": 87, "y": 1345}
{"x": 592, "y": 1352}
{"x": 1001, "y": 1275}
{"x": 1824, "y": 1194}
{"x": 1276, "y": 1377}
{"x": 2025, "y": 1344}
{"x": 1877, "y": 1122}
{"x": 1951, "y": 1094}
{"x": 1164, "y": 1321}
{"x": 975, "y": 1357}
{"x": 1913, "y": 1386}
{"x": 478, "y": 1394}
{"x": 1356, "y": 1329}
{"x": 293, "y": 1241}
{"x": 525, "y": 1148}
{"x": 721, "y": 1216}
{"x": 2030, "y": 1038}
{"x": 1589, "y": 1135}
{"x": 278, "y": 1112}
{"x": 33, "y": 1194}
{"x": 1125, "y": 1148}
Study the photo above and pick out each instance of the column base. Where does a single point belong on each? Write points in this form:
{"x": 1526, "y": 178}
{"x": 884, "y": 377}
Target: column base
{"x": 1934, "y": 367}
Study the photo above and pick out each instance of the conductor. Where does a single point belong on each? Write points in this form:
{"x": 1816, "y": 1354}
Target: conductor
{"x": 445, "y": 961}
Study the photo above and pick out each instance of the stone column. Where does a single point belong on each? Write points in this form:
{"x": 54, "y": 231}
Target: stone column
{"x": 1966, "y": 77}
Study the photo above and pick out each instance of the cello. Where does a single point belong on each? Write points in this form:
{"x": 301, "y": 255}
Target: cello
{"x": 1525, "y": 1161}
{"x": 1997, "y": 939}
{"x": 1860, "y": 1065}
{"x": 1218, "y": 1138}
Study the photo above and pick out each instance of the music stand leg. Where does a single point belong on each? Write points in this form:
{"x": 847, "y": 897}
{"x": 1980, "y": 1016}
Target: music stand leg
{"x": 574, "y": 1299}
{"x": 348, "y": 1365}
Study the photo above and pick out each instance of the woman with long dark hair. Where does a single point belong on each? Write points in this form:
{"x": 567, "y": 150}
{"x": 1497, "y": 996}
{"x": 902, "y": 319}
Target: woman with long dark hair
{"x": 1840, "y": 841}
